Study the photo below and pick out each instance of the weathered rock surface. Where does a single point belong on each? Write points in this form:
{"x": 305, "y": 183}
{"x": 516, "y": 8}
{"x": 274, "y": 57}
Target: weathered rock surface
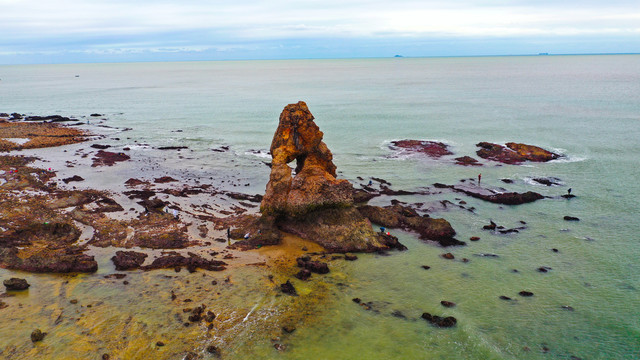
{"x": 398, "y": 216}
{"x": 514, "y": 153}
{"x": 494, "y": 196}
{"x": 310, "y": 201}
{"x": 16, "y": 284}
{"x": 467, "y": 161}
{"x": 73, "y": 178}
{"x": 288, "y": 288}
{"x": 37, "y": 335}
{"x": 192, "y": 263}
{"x": 314, "y": 185}
{"x": 108, "y": 158}
{"x": 127, "y": 260}
{"x": 439, "y": 321}
{"x": 54, "y": 261}
{"x": 431, "y": 148}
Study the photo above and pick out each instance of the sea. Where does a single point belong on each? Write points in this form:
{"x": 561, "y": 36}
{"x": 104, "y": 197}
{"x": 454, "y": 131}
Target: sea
{"x": 587, "y": 108}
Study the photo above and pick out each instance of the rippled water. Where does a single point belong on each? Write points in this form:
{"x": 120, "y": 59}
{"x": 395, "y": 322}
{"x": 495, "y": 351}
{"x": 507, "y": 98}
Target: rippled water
{"x": 586, "y": 107}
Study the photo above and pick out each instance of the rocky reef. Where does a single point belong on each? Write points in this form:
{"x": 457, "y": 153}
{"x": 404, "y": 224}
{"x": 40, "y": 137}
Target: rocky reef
{"x": 431, "y": 148}
{"x": 514, "y": 153}
{"x": 309, "y": 201}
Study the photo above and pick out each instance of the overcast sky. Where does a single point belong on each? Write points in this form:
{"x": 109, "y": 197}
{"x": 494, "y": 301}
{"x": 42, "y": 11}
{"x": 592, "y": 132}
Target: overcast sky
{"x": 44, "y": 31}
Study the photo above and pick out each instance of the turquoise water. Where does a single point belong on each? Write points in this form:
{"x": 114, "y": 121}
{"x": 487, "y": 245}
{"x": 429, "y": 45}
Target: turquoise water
{"x": 586, "y": 107}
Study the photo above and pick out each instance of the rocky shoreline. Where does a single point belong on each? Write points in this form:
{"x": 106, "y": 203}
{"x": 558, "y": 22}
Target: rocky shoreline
{"x": 293, "y": 232}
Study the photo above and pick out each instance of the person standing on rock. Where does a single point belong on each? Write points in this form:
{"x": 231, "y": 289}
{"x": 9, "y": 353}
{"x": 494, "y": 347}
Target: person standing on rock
{"x": 479, "y": 178}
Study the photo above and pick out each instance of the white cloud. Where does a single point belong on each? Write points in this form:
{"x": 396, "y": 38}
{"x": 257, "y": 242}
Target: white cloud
{"x": 98, "y": 24}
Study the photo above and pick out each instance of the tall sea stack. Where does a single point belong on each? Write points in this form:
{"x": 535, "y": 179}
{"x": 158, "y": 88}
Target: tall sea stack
{"x": 309, "y": 201}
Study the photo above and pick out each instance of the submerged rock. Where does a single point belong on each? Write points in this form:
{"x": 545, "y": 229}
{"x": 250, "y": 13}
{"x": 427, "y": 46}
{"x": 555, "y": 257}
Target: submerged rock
{"x": 439, "y": 321}
{"x": 317, "y": 267}
{"x": 49, "y": 260}
{"x": 16, "y": 284}
{"x": 447, "y": 304}
{"x": 37, "y": 335}
{"x": 288, "y": 288}
{"x": 514, "y": 153}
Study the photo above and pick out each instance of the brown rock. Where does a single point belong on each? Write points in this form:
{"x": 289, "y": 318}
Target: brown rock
{"x": 66, "y": 260}
{"x": 108, "y": 158}
{"x": 16, "y": 284}
{"x": 398, "y": 216}
{"x": 447, "y": 304}
{"x": 506, "y": 198}
{"x": 467, "y": 161}
{"x": 37, "y": 335}
{"x": 439, "y": 321}
{"x": 127, "y": 260}
{"x": 192, "y": 263}
{"x": 288, "y": 288}
{"x": 311, "y": 202}
{"x": 432, "y": 148}
{"x": 164, "y": 179}
{"x": 314, "y": 184}
{"x": 73, "y": 178}
{"x": 514, "y": 153}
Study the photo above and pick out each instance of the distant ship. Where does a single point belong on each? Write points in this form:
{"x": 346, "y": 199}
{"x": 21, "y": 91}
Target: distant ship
{"x": 398, "y": 56}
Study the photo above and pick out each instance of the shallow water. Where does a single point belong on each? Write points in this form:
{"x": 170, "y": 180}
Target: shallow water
{"x": 586, "y": 107}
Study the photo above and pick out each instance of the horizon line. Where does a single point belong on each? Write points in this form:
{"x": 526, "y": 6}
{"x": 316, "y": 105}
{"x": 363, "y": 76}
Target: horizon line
{"x": 396, "y": 56}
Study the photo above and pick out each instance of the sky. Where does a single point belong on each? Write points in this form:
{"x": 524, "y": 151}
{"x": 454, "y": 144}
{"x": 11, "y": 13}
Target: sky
{"x": 71, "y": 31}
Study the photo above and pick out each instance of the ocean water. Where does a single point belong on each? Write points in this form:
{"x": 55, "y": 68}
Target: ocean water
{"x": 585, "y": 107}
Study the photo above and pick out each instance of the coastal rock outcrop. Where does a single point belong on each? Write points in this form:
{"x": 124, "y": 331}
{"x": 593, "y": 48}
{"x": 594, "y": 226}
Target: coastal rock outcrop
{"x": 431, "y": 148}
{"x": 497, "y": 196}
{"x": 467, "y": 161}
{"x": 314, "y": 185}
{"x": 127, "y": 260}
{"x": 514, "y": 153}
{"x": 310, "y": 201}
{"x": 398, "y": 216}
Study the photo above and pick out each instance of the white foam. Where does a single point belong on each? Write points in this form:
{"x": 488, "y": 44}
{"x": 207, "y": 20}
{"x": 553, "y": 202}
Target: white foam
{"x": 529, "y": 181}
{"x": 569, "y": 159}
{"x": 19, "y": 141}
{"x": 263, "y": 154}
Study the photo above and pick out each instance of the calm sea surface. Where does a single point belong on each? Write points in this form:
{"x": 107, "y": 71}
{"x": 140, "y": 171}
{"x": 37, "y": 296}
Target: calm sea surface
{"x": 585, "y": 107}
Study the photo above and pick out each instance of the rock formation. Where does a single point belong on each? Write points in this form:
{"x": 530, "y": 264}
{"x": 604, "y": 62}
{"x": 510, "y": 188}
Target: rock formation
{"x": 398, "y": 216}
{"x": 514, "y": 153}
{"x": 431, "y": 148}
{"x": 309, "y": 201}
{"x": 314, "y": 185}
